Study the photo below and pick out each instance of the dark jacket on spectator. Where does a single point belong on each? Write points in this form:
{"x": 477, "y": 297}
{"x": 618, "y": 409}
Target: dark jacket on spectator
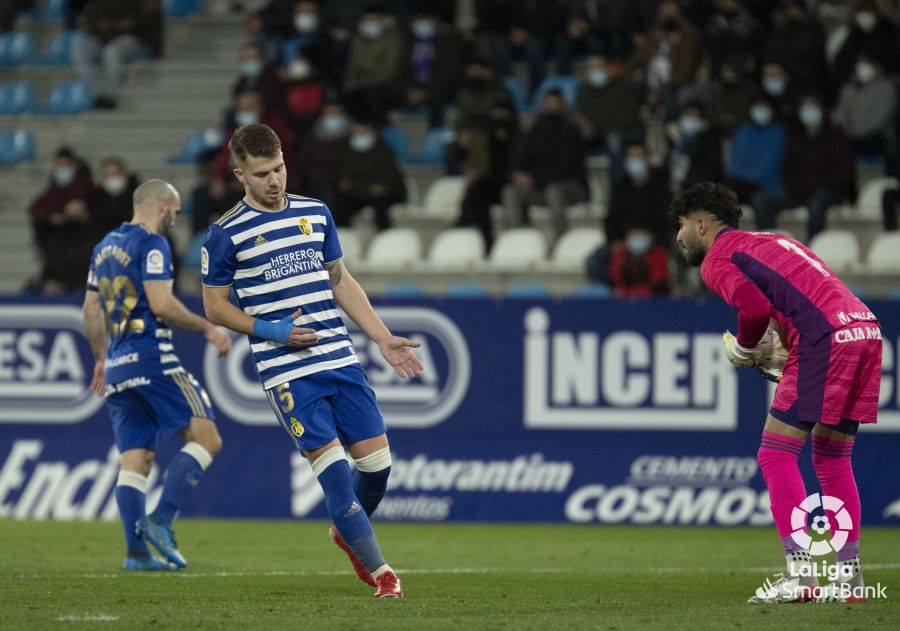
{"x": 53, "y": 199}
{"x": 824, "y": 161}
{"x": 376, "y": 166}
{"x": 110, "y": 211}
{"x": 107, "y": 19}
{"x": 799, "y": 46}
{"x": 553, "y": 150}
{"x": 639, "y": 206}
{"x": 614, "y": 107}
{"x": 382, "y": 62}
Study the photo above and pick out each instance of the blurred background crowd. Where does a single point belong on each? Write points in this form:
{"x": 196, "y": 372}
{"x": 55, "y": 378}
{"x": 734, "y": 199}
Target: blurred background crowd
{"x": 572, "y": 122}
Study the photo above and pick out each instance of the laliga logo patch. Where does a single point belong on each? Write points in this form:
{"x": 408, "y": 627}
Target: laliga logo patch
{"x": 204, "y": 261}
{"x": 155, "y": 262}
{"x": 826, "y": 511}
{"x": 305, "y": 226}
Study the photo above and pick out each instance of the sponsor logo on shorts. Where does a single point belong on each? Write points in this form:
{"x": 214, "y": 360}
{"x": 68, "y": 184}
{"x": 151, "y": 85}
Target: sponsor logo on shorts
{"x": 128, "y": 384}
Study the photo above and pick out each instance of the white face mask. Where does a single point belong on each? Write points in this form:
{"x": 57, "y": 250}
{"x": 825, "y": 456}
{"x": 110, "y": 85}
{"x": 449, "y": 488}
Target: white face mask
{"x": 865, "y": 72}
{"x": 810, "y": 115}
{"x": 114, "y": 184}
{"x": 371, "y": 29}
{"x": 362, "y": 142}
{"x": 306, "y": 22}
{"x": 245, "y": 118}
{"x": 761, "y": 115}
{"x": 774, "y": 85}
{"x": 335, "y": 125}
{"x": 423, "y": 29}
{"x": 597, "y": 77}
{"x": 638, "y": 243}
{"x": 691, "y": 124}
{"x": 63, "y": 176}
{"x": 866, "y": 20}
{"x": 298, "y": 69}
{"x": 251, "y": 68}
{"x": 636, "y": 168}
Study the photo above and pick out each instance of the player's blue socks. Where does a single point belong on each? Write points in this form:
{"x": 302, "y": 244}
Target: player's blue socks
{"x": 371, "y": 478}
{"x": 182, "y": 476}
{"x": 348, "y": 515}
{"x": 131, "y": 498}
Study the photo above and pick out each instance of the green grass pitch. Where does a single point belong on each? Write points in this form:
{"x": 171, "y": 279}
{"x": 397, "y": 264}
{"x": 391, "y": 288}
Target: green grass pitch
{"x": 281, "y": 574}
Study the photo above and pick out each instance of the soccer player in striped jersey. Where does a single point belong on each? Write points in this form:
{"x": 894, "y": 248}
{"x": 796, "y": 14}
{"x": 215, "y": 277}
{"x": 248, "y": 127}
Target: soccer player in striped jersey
{"x": 830, "y": 382}
{"x": 128, "y": 308}
{"x": 281, "y": 255}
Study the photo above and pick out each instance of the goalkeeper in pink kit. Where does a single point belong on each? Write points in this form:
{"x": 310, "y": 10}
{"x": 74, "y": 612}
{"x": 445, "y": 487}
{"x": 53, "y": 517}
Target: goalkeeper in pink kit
{"x": 830, "y": 379}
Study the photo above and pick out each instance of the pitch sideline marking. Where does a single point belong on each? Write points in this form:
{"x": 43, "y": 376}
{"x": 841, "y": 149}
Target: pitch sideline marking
{"x": 88, "y": 618}
{"x": 460, "y": 570}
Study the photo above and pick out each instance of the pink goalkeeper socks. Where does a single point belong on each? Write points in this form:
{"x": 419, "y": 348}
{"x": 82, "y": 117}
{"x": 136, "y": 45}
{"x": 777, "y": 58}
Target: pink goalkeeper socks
{"x": 831, "y": 459}
{"x": 777, "y": 458}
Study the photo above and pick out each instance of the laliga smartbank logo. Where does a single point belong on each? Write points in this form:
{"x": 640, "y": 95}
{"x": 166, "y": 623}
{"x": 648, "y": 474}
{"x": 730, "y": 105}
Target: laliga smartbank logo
{"x": 827, "y": 536}
{"x": 425, "y": 401}
{"x": 45, "y": 365}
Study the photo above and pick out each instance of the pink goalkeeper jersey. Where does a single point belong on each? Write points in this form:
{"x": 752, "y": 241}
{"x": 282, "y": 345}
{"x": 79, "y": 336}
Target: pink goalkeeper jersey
{"x": 809, "y": 299}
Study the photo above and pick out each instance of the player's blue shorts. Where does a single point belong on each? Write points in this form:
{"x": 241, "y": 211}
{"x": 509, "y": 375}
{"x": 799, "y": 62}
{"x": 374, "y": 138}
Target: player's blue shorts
{"x": 143, "y": 407}
{"x": 330, "y": 404}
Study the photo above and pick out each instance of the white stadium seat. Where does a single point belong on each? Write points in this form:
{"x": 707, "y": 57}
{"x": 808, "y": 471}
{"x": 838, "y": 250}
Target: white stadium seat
{"x": 884, "y": 254}
{"x": 574, "y": 246}
{"x": 838, "y": 248}
{"x": 351, "y": 244}
{"x": 457, "y": 248}
{"x": 519, "y": 248}
{"x": 868, "y": 204}
{"x": 443, "y": 198}
{"x": 394, "y": 247}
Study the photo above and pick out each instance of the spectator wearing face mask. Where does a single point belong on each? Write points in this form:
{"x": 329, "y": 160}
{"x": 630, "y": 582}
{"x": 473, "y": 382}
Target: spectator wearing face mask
{"x": 257, "y": 74}
{"x": 549, "y": 167}
{"x": 60, "y": 218}
{"x": 866, "y": 107}
{"x": 640, "y": 268}
{"x": 639, "y": 199}
{"x": 756, "y": 154}
{"x": 818, "y": 170}
{"x": 669, "y": 54}
{"x": 319, "y": 156}
{"x": 797, "y": 42}
{"x": 696, "y": 150}
{"x": 779, "y": 89}
{"x": 378, "y": 68}
{"x": 871, "y": 32}
{"x": 111, "y": 203}
{"x": 369, "y": 176}
{"x": 607, "y": 105}
{"x": 732, "y": 29}
{"x": 307, "y": 34}
{"x": 437, "y": 65}
{"x": 304, "y": 90}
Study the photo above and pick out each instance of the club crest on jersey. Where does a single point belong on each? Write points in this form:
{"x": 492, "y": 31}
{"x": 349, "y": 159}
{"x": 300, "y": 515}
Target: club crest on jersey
{"x": 305, "y": 226}
{"x": 296, "y": 427}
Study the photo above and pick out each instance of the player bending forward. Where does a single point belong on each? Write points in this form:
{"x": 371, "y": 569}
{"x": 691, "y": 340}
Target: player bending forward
{"x": 831, "y": 377}
{"x": 128, "y": 308}
{"x": 281, "y": 255}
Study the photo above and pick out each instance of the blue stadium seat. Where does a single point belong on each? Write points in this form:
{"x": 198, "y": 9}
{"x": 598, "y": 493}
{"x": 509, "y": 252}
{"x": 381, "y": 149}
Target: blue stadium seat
{"x": 403, "y": 290}
{"x": 50, "y": 10}
{"x": 434, "y": 147}
{"x": 181, "y": 8}
{"x": 16, "y": 48}
{"x": 59, "y": 52}
{"x": 592, "y": 290}
{"x": 398, "y": 140}
{"x": 566, "y": 84}
{"x": 16, "y": 97}
{"x": 17, "y": 145}
{"x": 467, "y": 290}
{"x": 517, "y": 93}
{"x": 528, "y": 290}
{"x": 69, "y": 97}
{"x": 191, "y": 257}
{"x": 201, "y": 141}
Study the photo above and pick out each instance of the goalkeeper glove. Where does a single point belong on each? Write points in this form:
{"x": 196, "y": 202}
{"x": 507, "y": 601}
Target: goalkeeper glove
{"x": 737, "y": 354}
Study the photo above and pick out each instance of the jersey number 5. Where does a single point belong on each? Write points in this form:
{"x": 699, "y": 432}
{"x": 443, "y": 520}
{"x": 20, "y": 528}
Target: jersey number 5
{"x": 791, "y": 247}
{"x": 119, "y": 298}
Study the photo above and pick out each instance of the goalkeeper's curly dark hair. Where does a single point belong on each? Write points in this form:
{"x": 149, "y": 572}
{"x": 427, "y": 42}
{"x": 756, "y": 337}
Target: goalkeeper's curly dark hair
{"x": 716, "y": 199}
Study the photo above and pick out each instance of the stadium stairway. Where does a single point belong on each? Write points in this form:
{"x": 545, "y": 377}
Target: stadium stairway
{"x": 161, "y": 103}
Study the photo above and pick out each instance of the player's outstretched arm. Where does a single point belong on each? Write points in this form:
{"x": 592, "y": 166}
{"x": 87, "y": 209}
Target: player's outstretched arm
{"x": 221, "y": 311}
{"x": 354, "y": 301}
{"x": 165, "y": 305}
{"x": 95, "y": 329}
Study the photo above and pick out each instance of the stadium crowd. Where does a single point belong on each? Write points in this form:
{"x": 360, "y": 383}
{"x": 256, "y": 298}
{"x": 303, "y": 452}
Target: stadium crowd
{"x": 673, "y": 93}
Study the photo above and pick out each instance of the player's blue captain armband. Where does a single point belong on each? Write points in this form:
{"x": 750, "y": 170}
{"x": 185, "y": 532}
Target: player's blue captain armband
{"x": 278, "y": 331}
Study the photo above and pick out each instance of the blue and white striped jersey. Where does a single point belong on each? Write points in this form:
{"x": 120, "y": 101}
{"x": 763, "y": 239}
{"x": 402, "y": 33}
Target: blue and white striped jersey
{"x": 275, "y": 260}
{"x": 140, "y": 344}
